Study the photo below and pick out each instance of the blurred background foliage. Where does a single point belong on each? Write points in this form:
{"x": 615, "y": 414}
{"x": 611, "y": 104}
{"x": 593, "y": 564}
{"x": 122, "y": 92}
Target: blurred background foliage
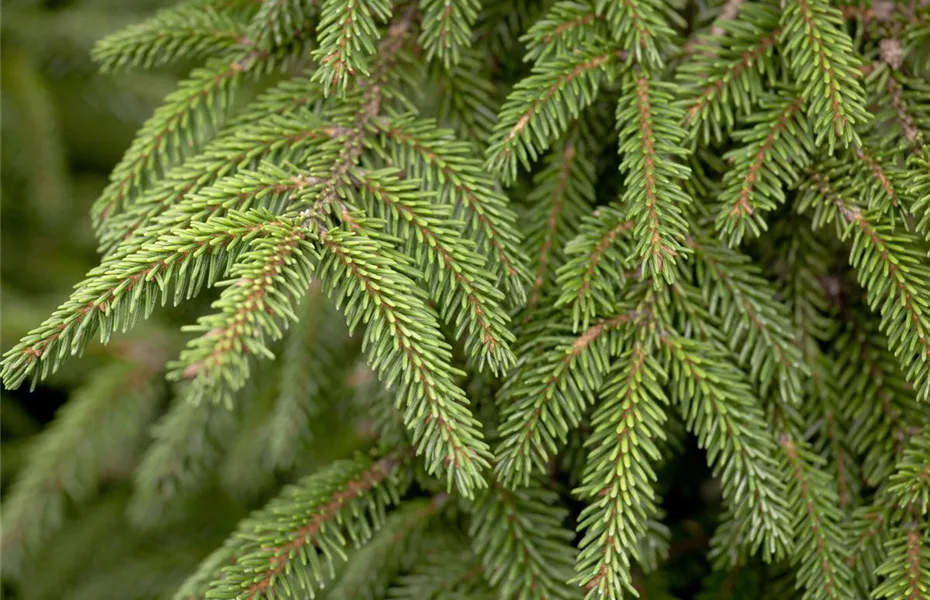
{"x": 63, "y": 128}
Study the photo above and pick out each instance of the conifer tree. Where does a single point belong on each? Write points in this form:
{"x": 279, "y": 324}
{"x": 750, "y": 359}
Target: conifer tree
{"x": 520, "y": 299}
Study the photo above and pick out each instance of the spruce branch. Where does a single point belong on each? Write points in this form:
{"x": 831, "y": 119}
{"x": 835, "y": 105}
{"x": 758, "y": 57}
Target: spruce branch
{"x": 404, "y": 345}
{"x": 178, "y": 194}
{"x": 362, "y": 107}
{"x": 538, "y": 110}
{"x": 564, "y": 191}
{"x": 67, "y": 465}
{"x": 190, "y": 31}
{"x": 757, "y": 324}
{"x": 599, "y": 287}
{"x": 453, "y": 572}
{"x": 876, "y": 399}
{"x": 890, "y": 268}
{"x": 568, "y": 24}
{"x": 447, "y": 28}
{"x": 772, "y": 153}
{"x": 595, "y": 271}
{"x": 910, "y": 482}
{"x": 919, "y": 189}
{"x": 814, "y": 505}
{"x": 454, "y": 273}
{"x": 719, "y": 406}
{"x": 390, "y": 552}
{"x": 548, "y": 395}
{"x": 186, "y": 446}
{"x": 640, "y": 27}
{"x": 441, "y": 162}
{"x": 727, "y": 74}
{"x": 295, "y": 541}
{"x": 277, "y": 22}
{"x": 619, "y": 477}
{"x": 907, "y": 566}
{"x": 526, "y": 523}
{"x": 806, "y": 264}
{"x": 869, "y": 527}
{"x": 312, "y": 359}
{"x": 116, "y": 293}
{"x": 203, "y": 99}
{"x": 650, "y": 140}
{"x": 255, "y": 306}
{"x": 820, "y": 55}
{"x": 347, "y": 34}
{"x": 190, "y": 116}
{"x": 878, "y": 181}
{"x": 870, "y": 176}
{"x": 468, "y": 98}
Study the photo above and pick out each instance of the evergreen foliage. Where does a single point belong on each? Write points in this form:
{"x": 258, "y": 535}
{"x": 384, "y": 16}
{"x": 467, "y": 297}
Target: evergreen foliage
{"x": 643, "y": 314}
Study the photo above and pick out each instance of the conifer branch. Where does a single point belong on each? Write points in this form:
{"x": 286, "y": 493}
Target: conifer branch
{"x": 310, "y": 366}
{"x": 884, "y": 196}
{"x": 870, "y": 528}
{"x": 594, "y": 273}
{"x": 876, "y": 399}
{"x": 820, "y": 55}
{"x": 618, "y": 479}
{"x": 367, "y": 101}
{"x": 436, "y": 160}
{"x": 907, "y": 566}
{"x": 563, "y": 193}
{"x": 730, "y": 72}
{"x": 468, "y": 99}
{"x": 448, "y": 573}
{"x": 294, "y": 542}
{"x": 266, "y": 188}
{"x": 650, "y": 139}
{"x": 405, "y": 347}
{"x": 640, "y": 28}
{"x": 347, "y": 36}
{"x": 756, "y": 324}
{"x": 538, "y": 110}
{"x": 356, "y": 163}
{"x": 187, "y": 444}
{"x": 719, "y": 407}
{"x": 68, "y": 465}
{"x": 189, "y": 31}
{"x": 892, "y": 272}
{"x": 276, "y": 21}
{"x": 779, "y": 146}
{"x": 447, "y": 28}
{"x": 870, "y": 176}
{"x": 391, "y": 551}
{"x": 919, "y": 189}
{"x": 454, "y": 273}
{"x": 910, "y": 482}
{"x": 526, "y": 522}
{"x": 810, "y": 264}
{"x": 549, "y": 395}
{"x": 203, "y": 99}
{"x": 822, "y": 570}
{"x": 122, "y": 288}
{"x": 255, "y": 306}
{"x": 202, "y": 103}
{"x": 287, "y": 139}
{"x": 567, "y": 25}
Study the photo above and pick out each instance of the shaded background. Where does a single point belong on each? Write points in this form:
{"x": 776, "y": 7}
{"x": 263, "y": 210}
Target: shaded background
{"x": 62, "y": 130}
